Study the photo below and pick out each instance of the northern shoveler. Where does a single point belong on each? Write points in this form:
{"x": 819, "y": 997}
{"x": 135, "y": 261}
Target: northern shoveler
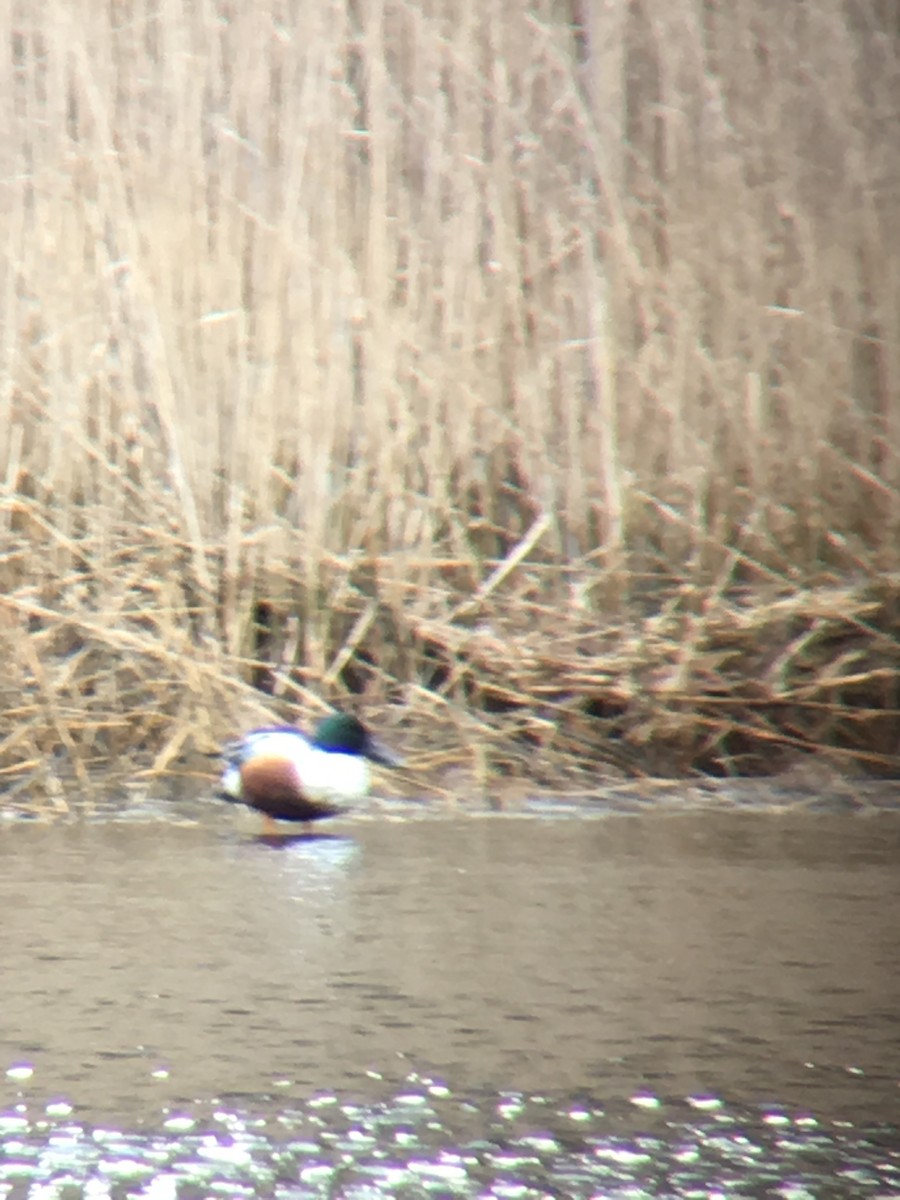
{"x": 291, "y": 777}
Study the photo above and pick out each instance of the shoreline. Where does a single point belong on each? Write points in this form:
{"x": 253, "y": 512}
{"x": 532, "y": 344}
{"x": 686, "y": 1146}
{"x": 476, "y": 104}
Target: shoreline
{"x": 805, "y": 793}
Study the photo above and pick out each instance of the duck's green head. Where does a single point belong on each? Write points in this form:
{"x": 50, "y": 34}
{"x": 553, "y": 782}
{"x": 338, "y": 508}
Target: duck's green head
{"x": 340, "y": 733}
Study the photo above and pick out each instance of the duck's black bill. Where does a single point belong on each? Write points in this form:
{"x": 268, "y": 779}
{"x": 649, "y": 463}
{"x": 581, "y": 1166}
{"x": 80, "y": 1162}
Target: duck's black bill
{"x": 379, "y": 753}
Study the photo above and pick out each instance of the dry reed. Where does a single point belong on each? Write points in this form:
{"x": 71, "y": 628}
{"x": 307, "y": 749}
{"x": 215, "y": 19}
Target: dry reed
{"x": 529, "y": 373}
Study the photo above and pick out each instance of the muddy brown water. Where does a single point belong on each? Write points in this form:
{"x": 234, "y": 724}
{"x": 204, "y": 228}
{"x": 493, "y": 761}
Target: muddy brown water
{"x": 513, "y": 1006}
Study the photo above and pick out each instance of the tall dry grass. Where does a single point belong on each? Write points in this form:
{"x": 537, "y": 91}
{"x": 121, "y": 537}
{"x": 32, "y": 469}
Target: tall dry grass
{"x": 482, "y": 358}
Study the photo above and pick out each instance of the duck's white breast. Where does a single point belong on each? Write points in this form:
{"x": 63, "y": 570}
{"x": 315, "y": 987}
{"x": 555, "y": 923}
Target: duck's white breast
{"x": 334, "y": 777}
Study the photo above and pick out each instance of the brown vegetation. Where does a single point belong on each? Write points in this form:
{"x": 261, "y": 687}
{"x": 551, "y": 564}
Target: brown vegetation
{"x": 526, "y": 372}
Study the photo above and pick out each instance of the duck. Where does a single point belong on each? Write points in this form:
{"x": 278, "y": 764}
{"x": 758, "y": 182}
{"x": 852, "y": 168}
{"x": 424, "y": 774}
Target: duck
{"x": 289, "y": 776}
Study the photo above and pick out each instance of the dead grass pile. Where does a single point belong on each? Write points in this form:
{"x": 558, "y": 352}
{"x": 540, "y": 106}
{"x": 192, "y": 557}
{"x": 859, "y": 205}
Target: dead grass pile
{"x": 528, "y": 374}
{"x": 731, "y": 685}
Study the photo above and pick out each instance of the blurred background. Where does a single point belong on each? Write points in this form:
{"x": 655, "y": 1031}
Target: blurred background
{"x": 485, "y": 361}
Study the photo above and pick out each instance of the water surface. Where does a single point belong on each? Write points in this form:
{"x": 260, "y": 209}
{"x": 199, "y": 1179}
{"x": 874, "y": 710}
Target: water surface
{"x": 485, "y": 1005}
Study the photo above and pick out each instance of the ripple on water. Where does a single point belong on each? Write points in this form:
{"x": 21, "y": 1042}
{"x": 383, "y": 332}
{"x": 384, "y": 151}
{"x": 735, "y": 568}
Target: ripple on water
{"x": 418, "y": 1144}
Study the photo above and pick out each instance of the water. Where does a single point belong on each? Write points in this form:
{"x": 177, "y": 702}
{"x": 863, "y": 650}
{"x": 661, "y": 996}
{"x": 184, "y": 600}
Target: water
{"x": 490, "y": 1006}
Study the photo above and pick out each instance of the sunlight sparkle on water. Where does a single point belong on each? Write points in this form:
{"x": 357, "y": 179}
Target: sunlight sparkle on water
{"x": 621, "y": 1155}
{"x": 579, "y": 1114}
{"x": 20, "y": 1071}
{"x": 58, "y": 1108}
{"x": 179, "y": 1124}
{"x": 776, "y": 1118}
{"x": 439, "y": 1170}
